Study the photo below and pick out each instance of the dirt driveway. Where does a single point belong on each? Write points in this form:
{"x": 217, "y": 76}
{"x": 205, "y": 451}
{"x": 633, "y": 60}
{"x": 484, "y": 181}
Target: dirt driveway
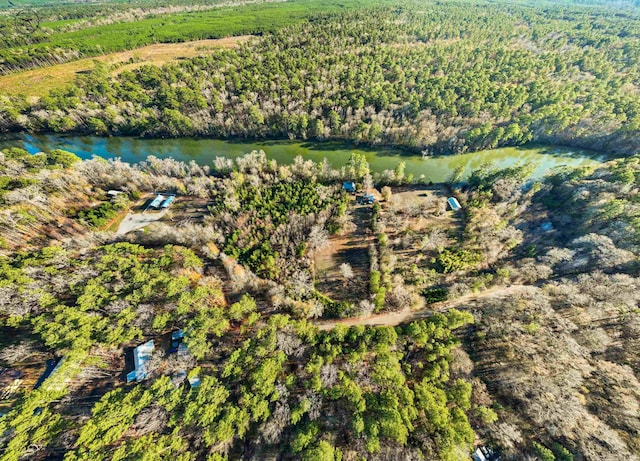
{"x": 135, "y": 221}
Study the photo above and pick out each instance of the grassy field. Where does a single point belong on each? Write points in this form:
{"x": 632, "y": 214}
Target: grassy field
{"x": 178, "y": 27}
{"x": 38, "y": 82}
{"x": 223, "y": 22}
{"x": 43, "y": 3}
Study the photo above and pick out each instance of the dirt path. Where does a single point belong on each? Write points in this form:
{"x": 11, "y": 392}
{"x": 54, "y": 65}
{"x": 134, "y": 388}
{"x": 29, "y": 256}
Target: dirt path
{"x": 407, "y": 315}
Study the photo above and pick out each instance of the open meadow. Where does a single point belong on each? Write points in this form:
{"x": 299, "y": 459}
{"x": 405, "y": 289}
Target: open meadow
{"x": 38, "y": 82}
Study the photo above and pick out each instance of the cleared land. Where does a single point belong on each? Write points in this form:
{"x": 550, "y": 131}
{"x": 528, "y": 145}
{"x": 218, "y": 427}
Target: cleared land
{"x": 351, "y": 247}
{"x": 38, "y": 82}
{"x": 415, "y": 214}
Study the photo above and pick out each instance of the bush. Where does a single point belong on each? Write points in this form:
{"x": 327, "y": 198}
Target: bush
{"x": 486, "y": 415}
{"x": 61, "y": 158}
{"x": 435, "y": 295}
{"x": 374, "y": 282}
{"x": 380, "y": 298}
{"x": 457, "y": 259}
{"x": 561, "y": 453}
{"x": 100, "y": 215}
{"x": 543, "y": 452}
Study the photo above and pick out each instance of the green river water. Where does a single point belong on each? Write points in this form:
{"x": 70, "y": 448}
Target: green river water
{"x": 204, "y": 151}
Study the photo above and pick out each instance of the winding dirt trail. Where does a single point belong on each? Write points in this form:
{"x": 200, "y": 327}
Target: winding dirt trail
{"x": 407, "y": 315}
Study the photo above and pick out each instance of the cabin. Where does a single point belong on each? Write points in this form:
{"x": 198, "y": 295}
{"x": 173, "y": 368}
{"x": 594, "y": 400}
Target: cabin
{"x": 141, "y": 358}
{"x": 349, "y": 186}
{"x": 167, "y": 202}
{"x": 453, "y": 203}
{"x": 159, "y": 200}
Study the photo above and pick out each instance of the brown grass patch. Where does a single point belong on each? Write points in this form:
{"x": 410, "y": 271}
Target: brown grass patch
{"x": 38, "y": 82}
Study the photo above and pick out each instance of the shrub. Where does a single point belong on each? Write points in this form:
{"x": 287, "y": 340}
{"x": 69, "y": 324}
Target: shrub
{"x": 374, "y": 282}
{"x": 486, "y": 415}
{"x": 543, "y": 452}
{"x": 457, "y": 259}
{"x": 435, "y": 295}
{"x": 561, "y": 453}
{"x": 100, "y": 215}
{"x": 62, "y": 158}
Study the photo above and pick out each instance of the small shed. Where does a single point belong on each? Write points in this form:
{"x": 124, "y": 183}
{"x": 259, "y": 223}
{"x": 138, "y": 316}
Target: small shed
{"x": 178, "y": 345}
{"x": 157, "y": 201}
{"x": 454, "y": 204}
{"x": 349, "y": 186}
{"x": 167, "y": 202}
{"x": 141, "y": 358}
{"x": 176, "y": 340}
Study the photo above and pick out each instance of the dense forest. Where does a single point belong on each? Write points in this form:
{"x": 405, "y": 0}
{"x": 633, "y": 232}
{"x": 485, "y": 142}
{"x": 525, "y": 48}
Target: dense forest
{"x": 303, "y": 311}
{"x": 497, "y": 332}
{"x": 435, "y": 78}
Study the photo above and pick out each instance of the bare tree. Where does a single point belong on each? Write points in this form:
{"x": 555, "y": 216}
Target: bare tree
{"x": 152, "y": 419}
{"x": 17, "y": 353}
{"x": 347, "y": 272}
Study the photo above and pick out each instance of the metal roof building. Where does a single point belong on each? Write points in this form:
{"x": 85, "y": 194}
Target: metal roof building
{"x": 178, "y": 345}
{"x": 168, "y": 201}
{"x": 366, "y": 199}
{"x": 349, "y": 186}
{"x": 157, "y": 201}
{"x": 141, "y": 357}
{"x": 453, "y": 203}
{"x": 194, "y": 382}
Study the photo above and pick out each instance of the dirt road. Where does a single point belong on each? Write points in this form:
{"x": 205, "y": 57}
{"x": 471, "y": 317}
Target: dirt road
{"x": 407, "y": 315}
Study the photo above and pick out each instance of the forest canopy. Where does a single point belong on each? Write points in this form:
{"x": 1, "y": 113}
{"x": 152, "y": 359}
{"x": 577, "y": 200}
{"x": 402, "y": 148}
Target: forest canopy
{"x": 437, "y": 78}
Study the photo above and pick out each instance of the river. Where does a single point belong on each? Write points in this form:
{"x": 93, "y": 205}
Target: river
{"x": 204, "y": 151}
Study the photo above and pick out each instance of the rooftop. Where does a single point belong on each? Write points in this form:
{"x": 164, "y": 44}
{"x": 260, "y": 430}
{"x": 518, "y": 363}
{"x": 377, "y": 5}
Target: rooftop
{"x": 141, "y": 357}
